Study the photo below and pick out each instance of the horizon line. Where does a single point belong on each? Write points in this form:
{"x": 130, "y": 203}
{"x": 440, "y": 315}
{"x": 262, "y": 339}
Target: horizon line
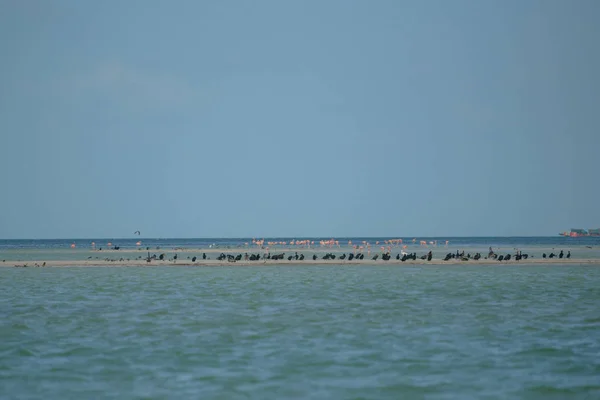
{"x": 282, "y": 237}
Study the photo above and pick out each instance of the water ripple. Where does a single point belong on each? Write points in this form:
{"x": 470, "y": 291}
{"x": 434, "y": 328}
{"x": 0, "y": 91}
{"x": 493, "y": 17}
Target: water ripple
{"x": 299, "y": 332}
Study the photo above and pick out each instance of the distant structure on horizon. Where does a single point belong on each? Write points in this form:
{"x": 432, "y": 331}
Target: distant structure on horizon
{"x": 581, "y": 233}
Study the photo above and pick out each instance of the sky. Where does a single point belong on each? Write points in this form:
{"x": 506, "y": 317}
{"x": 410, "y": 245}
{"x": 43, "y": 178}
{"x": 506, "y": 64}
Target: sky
{"x": 298, "y": 118}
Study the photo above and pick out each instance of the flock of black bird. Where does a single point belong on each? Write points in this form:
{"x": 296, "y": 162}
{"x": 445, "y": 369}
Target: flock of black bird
{"x": 360, "y": 256}
{"x": 560, "y": 255}
{"x": 350, "y": 256}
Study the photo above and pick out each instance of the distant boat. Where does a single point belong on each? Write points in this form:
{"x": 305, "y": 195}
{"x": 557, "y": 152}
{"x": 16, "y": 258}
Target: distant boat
{"x": 575, "y": 233}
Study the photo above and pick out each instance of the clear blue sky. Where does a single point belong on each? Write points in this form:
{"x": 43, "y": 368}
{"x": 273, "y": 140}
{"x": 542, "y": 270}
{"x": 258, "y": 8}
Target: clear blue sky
{"x": 298, "y": 118}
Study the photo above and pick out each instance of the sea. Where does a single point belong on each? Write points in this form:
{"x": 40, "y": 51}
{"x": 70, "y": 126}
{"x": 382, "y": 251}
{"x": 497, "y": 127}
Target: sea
{"x": 301, "y": 331}
{"x": 78, "y": 249}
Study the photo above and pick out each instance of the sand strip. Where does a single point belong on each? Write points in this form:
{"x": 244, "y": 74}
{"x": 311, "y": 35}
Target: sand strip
{"x": 216, "y": 263}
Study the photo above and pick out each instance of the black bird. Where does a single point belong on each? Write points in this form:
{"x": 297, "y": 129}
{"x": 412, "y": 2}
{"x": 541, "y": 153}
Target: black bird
{"x": 194, "y": 259}
{"x": 500, "y": 258}
{"x": 375, "y": 257}
{"x": 569, "y": 254}
{"x": 561, "y": 255}
{"x": 314, "y": 257}
{"x": 544, "y": 255}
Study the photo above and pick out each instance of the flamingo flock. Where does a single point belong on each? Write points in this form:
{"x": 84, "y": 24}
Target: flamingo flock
{"x": 331, "y": 243}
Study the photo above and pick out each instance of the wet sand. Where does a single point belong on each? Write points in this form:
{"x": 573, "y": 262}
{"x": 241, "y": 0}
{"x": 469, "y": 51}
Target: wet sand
{"x": 365, "y": 262}
{"x": 124, "y": 257}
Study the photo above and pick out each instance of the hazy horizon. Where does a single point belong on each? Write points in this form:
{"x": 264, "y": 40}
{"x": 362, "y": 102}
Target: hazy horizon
{"x": 282, "y": 237}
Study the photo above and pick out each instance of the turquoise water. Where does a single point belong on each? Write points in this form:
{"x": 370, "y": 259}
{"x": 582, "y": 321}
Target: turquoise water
{"x": 232, "y": 243}
{"x": 60, "y": 249}
{"x": 452, "y": 332}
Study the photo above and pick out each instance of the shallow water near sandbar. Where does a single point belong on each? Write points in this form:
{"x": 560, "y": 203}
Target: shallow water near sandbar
{"x": 452, "y": 332}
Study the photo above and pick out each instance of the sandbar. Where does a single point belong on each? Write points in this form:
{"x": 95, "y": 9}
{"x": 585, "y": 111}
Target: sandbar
{"x": 319, "y": 262}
